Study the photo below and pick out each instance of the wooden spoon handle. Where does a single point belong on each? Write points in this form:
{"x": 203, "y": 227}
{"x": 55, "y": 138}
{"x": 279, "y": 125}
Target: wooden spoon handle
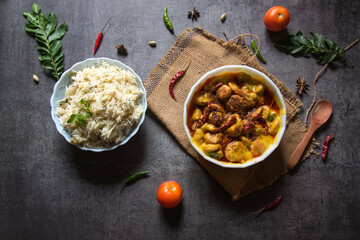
{"x": 295, "y": 156}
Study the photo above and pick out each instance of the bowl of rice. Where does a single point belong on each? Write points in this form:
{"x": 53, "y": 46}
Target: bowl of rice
{"x": 98, "y": 104}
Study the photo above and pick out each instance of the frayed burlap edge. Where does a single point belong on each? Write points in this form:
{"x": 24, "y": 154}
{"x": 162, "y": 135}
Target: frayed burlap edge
{"x": 170, "y": 58}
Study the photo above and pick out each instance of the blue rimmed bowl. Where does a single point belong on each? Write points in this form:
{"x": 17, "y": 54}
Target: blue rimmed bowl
{"x": 65, "y": 80}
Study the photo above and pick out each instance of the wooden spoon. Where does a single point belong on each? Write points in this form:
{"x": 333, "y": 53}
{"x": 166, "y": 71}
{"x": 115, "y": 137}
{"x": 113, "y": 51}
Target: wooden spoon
{"x": 319, "y": 116}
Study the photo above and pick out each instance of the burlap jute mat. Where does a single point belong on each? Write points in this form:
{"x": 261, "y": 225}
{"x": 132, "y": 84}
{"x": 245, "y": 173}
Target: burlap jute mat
{"x": 207, "y": 52}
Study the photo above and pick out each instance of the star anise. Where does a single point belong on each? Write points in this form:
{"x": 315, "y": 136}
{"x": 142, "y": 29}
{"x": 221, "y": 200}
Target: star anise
{"x": 302, "y": 85}
{"x": 121, "y": 49}
{"x": 194, "y": 14}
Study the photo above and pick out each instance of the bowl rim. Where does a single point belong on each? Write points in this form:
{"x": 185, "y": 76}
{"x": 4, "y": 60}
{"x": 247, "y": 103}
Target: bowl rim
{"x": 64, "y": 77}
{"x": 270, "y": 84}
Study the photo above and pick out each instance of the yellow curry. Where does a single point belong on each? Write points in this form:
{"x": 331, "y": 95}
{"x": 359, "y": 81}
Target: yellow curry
{"x": 233, "y": 117}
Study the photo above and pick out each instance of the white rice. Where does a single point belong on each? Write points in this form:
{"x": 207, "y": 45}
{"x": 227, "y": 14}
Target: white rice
{"x": 115, "y": 103}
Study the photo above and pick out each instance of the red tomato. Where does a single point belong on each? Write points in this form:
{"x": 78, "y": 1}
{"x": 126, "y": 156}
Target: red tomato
{"x": 169, "y": 194}
{"x": 276, "y": 18}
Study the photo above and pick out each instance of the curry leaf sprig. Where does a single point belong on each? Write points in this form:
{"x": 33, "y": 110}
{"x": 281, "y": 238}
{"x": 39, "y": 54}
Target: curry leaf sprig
{"x": 320, "y": 47}
{"x": 79, "y": 118}
{"x": 48, "y": 38}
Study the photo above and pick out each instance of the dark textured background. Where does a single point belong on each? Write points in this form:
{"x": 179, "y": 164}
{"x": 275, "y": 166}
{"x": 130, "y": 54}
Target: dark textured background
{"x": 52, "y": 190}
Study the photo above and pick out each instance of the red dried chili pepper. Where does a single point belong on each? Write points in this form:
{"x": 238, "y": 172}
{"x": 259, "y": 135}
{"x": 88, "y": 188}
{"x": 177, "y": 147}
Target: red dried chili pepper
{"x": 99, "y": 37}
{"x": 260, "y": 120}
{"x": 173, "y": 80}
{"x": 271, "y": 205}
{"x": 214, "y": 89}
{"x": 231, "y": 121}
{"x": 326, "y": 146}
{"x": 203, "y": 119}
{"x": 248, "y": 127}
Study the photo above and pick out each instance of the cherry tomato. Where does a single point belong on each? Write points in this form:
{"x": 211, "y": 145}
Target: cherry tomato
{"x": 169, "y": 194}
{"x": 276, "y": 18}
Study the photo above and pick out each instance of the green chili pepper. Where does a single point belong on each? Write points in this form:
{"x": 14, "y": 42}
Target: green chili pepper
{"x": 167, "y": 21}
{"x": 133, "y": 178}
{"x": 136, "y": 176}
{"x": 272, "y": 117}
{"x": 215, "y": 155}
{"x": 254, "y": 47}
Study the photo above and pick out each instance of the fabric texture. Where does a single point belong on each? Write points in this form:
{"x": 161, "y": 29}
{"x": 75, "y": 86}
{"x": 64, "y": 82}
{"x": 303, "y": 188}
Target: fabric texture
{"x": 205, "y": 52}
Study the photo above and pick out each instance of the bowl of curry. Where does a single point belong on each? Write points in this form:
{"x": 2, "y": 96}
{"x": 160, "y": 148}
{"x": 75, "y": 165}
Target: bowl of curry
{"x": 234, "y": 116}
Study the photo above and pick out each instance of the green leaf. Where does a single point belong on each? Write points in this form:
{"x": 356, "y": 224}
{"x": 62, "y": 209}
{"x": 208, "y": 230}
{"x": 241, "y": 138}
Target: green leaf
{"x": 303, "y": 40}
{"x": 41, "y": 37}
{"x": 307, "y": 52}
{"x": 55, "y": 47}
{"x": 31, "y": 25}
{"x": 36, "y": 8}
{"x": 87, "y": 106}
{"x": 41, "y": 41}
{"x": 43, "y": 49}
{"x": 29, "y": 28}
{"x": 80, "y": 120}
{"x": 55, "y": 74}
{"x": 51, "y": 23}
{"x": 47, "y": 65}
{"x": 48, "y": 38}
{"x": 294, "y": 40}
{"x": 60, "y": 67}
{"x": 320, "y": 47}
{"x": 88, "y": 114}
{"x": 333, "y": 56}
{"x": 329, "y": 43}
{"x": 316, "y": 51}
{"x": 31, "y": 17}
{"x": 61, "y": 70}
{"x": 319, "y": 40}
{"x": 42, "y": 21}
{"x": 26, "y": 14}
{"x": 299, "y": 33}
{"x": 44, "y": 57}
{"x": 336, "y": 46}
{"x": 324, "y": 58}
{"x": 71, "y": 118}
{"x": 59, "y": 57}
{"x": 58, "y": 33}
{"x": 312, "y": 43}
{"x": 296, "y": 50}
{"x": 342, "y": 54}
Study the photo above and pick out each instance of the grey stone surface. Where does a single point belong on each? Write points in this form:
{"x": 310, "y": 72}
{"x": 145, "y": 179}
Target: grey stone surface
{"x": 52, "y": 190}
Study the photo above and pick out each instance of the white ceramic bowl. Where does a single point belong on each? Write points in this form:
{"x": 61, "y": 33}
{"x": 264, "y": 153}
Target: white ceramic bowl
{"x": 270, "y": 86}
{"x": 64, "y": 81}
